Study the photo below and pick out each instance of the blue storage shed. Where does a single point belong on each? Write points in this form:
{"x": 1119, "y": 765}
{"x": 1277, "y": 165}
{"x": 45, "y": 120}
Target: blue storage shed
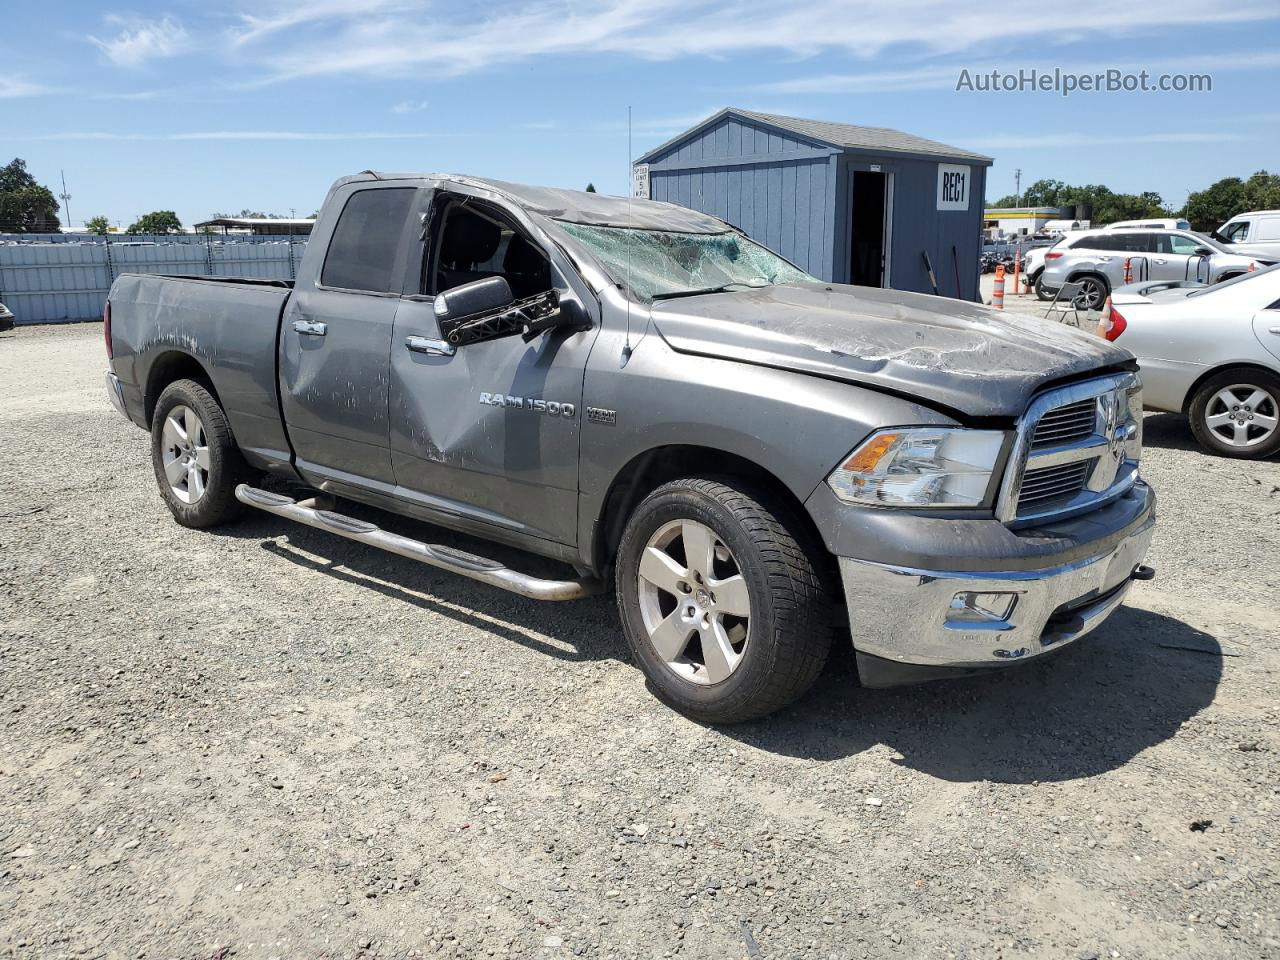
{"x": 848, "y": 204}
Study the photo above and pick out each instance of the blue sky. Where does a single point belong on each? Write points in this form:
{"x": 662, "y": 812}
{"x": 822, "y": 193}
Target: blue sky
{"x": 204, "y": 106}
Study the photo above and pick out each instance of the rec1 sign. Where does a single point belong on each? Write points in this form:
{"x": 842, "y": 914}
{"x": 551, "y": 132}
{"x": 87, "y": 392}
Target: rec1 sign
{"x": 953, "y": 186}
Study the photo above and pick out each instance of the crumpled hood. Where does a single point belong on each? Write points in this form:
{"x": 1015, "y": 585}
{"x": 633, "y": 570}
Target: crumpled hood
{"x": 961, "y": 355}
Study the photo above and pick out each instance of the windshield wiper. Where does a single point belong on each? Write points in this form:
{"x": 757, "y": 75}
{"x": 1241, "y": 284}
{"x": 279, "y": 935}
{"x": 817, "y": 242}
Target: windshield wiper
{"x": 723, "y": 288}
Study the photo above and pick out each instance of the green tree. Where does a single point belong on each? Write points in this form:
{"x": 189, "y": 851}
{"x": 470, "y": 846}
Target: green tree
{"x": 1213, "y": 206}
{"x": 25, "y": 205}
{"x": 158, "y": 221}
{"x": 247, "y": 214}
{"x": 591, "y": 188}
{"x": 98, "y": 225}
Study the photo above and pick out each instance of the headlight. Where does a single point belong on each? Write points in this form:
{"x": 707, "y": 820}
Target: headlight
{"x": 920, "y": 467}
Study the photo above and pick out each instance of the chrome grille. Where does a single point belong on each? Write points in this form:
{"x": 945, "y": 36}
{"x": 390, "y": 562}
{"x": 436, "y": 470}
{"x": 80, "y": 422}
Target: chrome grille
{"x": 1041, "y": 487}
{"x": 1077, "y": 447}
{"x": 1067, "y": 424}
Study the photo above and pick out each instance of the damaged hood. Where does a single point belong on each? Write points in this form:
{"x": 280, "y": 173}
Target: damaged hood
{"x": 961, "y": 355}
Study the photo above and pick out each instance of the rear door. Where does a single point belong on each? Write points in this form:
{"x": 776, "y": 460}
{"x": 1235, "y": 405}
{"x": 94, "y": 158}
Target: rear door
{"x": 488, "y": 432}
{"x": 1266, "y": 322}
{"x": 335, "y": 339}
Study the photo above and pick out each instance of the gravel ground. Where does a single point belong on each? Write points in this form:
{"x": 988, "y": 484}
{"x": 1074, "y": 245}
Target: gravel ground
{"x": 269, "y": 742}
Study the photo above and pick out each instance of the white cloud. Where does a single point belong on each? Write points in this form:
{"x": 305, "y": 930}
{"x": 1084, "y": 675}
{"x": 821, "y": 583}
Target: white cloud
{"x": 141, "y": 40}
{"x": 409, "y": 106}
{"x": 396, "y": 36}
{"x": 11, "y": 88}
{"x": 230, "y": 135}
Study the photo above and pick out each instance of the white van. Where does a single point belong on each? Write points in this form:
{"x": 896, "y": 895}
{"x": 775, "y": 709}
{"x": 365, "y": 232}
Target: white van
{"x": 1259, "y": 226}
{"x": 1149, "y": 225}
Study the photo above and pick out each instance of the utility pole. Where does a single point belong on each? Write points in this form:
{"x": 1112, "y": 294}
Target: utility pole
{"x": 1017, "y": 184}
{"x": 65, "y": 197}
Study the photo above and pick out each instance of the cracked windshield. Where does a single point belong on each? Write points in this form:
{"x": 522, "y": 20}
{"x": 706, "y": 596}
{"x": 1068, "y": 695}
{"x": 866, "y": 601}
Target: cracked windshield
{"x": 657, "y": 264}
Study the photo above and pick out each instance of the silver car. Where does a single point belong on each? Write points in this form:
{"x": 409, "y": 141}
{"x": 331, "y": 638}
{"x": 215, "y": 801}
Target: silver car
{"x": 1096, "y": 258}
{"x": 1211, "y": 352}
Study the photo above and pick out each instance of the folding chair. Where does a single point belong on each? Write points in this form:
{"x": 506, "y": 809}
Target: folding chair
{"x": 1068, "y": 293}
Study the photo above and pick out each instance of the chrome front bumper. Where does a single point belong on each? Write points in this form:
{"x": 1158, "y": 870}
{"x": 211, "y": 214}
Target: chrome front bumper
{"x": 919, "y": 617}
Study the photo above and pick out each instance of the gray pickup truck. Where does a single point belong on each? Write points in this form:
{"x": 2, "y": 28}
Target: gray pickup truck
{"x": 642, "y": 392}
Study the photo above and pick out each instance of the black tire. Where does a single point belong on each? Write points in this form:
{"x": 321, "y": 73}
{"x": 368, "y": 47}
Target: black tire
{"x": 788, "y": 634}
{"x": 217, "y": 502}
{"x": 1043, "y": 292}
{"x": 1096, "y": 290}
{"x": 1203, "y": 404}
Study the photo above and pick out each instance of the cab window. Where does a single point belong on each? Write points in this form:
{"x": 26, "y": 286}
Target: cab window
{"x": 1236, "y": 232}
{"x": 473, "y": 240}
{"x": 366, "y": 240}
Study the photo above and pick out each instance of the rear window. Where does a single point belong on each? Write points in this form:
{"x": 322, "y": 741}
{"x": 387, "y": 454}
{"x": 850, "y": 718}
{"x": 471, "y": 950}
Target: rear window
{"x": 362, "y": 253}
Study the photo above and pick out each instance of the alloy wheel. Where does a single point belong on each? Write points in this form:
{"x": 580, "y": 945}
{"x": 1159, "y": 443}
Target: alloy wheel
{"x": 1242, "y": 415}
{"x": 185, "y": 454}
{"x": 694, "y": 602}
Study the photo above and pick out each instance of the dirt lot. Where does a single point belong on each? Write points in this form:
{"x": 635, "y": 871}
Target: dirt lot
{"x": 268, "y": 742}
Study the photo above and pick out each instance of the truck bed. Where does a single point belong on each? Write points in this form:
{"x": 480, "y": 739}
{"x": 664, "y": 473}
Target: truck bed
{"x": 229, "y": 324}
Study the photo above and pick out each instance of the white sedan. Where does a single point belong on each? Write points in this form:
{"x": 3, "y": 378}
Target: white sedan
{"x": 1212, "y": 353}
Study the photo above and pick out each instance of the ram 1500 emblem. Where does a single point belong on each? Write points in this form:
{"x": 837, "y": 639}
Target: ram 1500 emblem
{"x": 533, "y": 404}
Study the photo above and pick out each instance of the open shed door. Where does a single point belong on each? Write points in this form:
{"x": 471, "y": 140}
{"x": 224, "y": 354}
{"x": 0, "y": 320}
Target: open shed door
{"x": 869, "y": 230}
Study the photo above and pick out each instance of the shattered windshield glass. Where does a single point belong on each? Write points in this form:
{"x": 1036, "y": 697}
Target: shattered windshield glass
{"x": 662, "y": 264}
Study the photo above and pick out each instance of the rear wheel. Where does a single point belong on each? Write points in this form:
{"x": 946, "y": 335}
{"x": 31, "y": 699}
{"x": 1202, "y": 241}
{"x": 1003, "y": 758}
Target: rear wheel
{"x": 196, "y": 460}
{"x": 722, "y": 608}
{"x": 1043, "y": 292}
{"x": 1236, "y": 413}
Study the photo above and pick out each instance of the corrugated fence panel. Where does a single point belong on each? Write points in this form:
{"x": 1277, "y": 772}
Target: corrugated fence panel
{"x": 44, "y": 282}
{"x": 69, "y": 280}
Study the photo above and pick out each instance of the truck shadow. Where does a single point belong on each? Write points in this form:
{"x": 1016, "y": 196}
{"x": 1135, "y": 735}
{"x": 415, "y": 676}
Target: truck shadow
{"x": 581, "y": 630}
{"x": 1090, "y": 709}
{"x": 1168, "y": 431}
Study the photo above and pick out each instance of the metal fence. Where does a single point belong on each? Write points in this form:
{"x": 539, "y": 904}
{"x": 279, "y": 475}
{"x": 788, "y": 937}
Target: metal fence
{"x": 48, "y": 280}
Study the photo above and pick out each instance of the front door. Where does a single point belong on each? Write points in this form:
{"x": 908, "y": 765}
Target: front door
{"x": 335, "y": 338}
{"x": 487, "y": 432}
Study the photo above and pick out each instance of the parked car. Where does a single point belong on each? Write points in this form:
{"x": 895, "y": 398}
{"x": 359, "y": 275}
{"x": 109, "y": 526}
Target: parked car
{"x": 1033, "y": 266}
{"x": 1156, "y": 224}
{"x": 1252, "y": 234}
{"x": 6, "y": 318}
{"x": 1096, "y": 259}
{"x": 1211, "y": 352}
{"x": 641, "y": 391}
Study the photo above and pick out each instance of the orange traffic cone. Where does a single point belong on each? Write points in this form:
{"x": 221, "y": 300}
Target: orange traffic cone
{"x": 997, "y": 295}
{"x": 1104, "y": 320}
{"x": 1128, "y": 270}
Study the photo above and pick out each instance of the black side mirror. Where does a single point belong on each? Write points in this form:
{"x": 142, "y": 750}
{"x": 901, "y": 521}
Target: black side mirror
{"x": 486, "y": 310}
{"x": 1203, "y": 252}
{"x": 474, "y": 298}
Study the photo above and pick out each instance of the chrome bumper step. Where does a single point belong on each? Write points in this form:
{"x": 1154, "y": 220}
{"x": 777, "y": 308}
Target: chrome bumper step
{"x": 446, "y": 558}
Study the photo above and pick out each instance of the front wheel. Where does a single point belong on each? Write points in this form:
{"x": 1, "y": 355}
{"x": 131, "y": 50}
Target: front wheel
{"x": 1236, "y": 413}
{"x": 722, "y": 607}
{"x": 196, "y": 460}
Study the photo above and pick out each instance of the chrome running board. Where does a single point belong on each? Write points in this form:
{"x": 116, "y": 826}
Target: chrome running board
{"x": 446, "y": 558}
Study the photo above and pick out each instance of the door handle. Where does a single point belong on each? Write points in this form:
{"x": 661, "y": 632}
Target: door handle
{"x": 430, "y": 347}
{"x": 1275, "y": 330}
{"x": 1162, "y": 261}
{"x": 310, "y": 328}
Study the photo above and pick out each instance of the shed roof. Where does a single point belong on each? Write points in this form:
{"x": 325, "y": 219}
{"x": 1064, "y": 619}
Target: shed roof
{"x": 845, "y": 136}
{"x": 256, "y": 222}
